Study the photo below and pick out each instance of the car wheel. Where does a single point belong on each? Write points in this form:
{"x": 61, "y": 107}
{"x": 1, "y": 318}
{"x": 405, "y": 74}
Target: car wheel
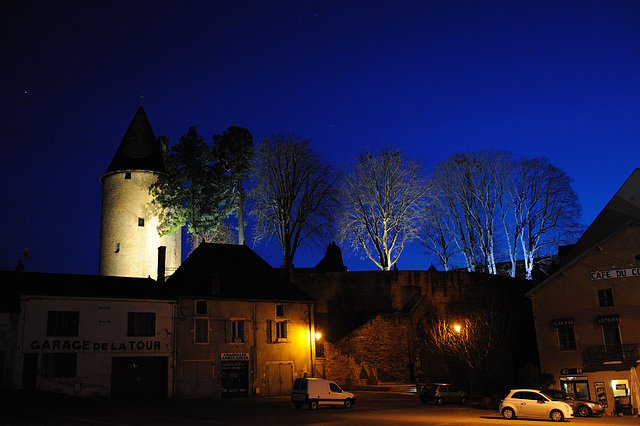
{"x": 508, "y": 414}
{"x": 347, "y": 403}
{"x": 439, "y": 401}
{"x": 584, "y": 411}
{"x": 298, "y": 405}
{"x": 463, "y": 400}
{"x": 313, "y": 405}
{"x": 557, "y": 416}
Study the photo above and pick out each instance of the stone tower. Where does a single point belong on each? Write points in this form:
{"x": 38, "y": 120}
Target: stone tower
{"x": 129, "y": 239}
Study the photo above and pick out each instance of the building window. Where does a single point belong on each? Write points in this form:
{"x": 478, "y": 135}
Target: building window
{"x": 61, "y": 365}
{"x": 201, "y": 330}
{"x": 611, "y": 334}
{"x": 605, "y": 297}
{"x": 280, "y": 310}
{"x": 567, "y": 338}
{"x": 140, "y": 221}
{"x": 201, "y": 307}
{"x": 63, "y": 323}
{"x": 237, "y": 331}
{"x": 127, "y": 175}
{"x": 141, "y": 324}
{"x": 117, "y": 248}
{"x": 319, "y": 350}
{"x": 279, "y": 331}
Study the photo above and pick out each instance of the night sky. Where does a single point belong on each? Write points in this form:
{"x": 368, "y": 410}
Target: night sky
{"x": 540, "y": 78}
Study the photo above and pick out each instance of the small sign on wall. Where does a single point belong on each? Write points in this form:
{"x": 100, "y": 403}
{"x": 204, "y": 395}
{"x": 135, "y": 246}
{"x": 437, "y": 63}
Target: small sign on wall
{"x": 570, "y": 371}
{"x": 601, "y": 393}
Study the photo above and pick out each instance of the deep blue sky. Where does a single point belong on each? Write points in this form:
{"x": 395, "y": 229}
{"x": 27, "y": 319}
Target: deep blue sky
{"x": 540, "y": 78}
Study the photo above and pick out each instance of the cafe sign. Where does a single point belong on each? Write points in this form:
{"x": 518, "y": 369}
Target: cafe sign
{"x": 614, "y": 273}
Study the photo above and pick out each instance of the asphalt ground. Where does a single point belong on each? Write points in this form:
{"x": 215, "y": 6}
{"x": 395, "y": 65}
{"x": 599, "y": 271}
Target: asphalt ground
{"x": 371, "y": 408}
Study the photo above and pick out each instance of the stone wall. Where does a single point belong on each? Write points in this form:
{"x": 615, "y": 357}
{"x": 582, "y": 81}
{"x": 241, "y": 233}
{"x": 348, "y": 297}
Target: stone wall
{"x": 373, "y": 319}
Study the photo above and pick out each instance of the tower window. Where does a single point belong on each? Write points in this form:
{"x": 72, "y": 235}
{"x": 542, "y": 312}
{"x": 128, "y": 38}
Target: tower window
{"x": 127, "y": 175}
{"x": 140, "y": 221}
{"x": 117, "y": 248}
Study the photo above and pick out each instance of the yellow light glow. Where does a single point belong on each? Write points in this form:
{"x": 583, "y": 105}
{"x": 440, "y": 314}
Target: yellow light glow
{"x": 457, "y": 328}
{"x": 318, "y": 336}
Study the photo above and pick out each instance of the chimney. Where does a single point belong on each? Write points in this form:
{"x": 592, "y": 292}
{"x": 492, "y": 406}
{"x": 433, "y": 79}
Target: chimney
{"x": 162, "y": 257}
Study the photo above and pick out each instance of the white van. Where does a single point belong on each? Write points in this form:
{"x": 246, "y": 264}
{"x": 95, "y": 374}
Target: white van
{"x": 315, "y": 392}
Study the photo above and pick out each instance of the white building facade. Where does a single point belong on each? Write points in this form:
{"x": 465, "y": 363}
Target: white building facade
{"x": 99, "y": 340}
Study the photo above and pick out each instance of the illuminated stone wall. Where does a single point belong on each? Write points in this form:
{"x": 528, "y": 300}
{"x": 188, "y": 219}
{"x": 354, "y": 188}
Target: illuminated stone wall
{"x": 372, "y": 318}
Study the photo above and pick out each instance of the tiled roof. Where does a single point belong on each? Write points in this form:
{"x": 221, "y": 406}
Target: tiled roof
{"x": 232, "y": 272}
{"x": 139, "y": 148}
{"x": 14, "y": 284}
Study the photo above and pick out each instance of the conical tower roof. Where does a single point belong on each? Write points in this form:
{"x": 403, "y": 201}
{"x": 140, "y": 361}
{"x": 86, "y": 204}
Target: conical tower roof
{"x": 139, "y": 148}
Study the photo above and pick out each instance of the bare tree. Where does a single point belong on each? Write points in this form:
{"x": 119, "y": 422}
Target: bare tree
{"x": 545, "y": 208}
{"x": 533, "y": 198}
{"x": 468, "y": 187}
{"x": 384, "y": 195}
{"x": 478, "y": 342}
{"x": 435, "y": 237}
{"x": 293, "y": 194}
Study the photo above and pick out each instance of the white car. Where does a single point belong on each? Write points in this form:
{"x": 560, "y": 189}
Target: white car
{"x": 530, "y": 403}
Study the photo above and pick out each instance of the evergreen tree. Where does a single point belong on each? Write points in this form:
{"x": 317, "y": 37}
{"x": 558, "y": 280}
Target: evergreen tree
{"x": 233, "y": 149}
{"x": 195, "y": 191}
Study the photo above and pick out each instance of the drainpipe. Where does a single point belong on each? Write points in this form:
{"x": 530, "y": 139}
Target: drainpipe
{"x": 311, "y": 339}
{"x": 174, "y": 350}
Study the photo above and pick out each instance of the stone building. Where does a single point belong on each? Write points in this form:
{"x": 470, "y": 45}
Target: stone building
{"x": 372, "y": 322}
{"x": 241, "y": 328}
{"x": 129, "y": 228}
{"x": 587, "y": 314}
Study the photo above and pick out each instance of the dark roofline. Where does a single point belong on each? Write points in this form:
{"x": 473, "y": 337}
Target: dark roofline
{"x": 578, "y": 257}
{"x": 75, "y": 285}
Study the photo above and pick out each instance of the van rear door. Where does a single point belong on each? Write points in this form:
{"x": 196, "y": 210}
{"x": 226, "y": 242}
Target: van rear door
{"x": 299, "y": 392}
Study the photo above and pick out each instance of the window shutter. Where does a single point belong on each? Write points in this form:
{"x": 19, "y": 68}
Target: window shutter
{"x": 228, "y": 331}
{"x": 273, "y": 332}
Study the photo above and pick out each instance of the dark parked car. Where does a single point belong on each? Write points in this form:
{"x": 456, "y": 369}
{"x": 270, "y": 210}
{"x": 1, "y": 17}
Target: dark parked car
{"x": 581, "y": 407}
{"x": 441, "y": 393}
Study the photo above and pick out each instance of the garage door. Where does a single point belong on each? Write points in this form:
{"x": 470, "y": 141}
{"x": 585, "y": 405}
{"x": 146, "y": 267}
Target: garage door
{"x": 280, "y": 377}
{"x": 139, "y": 377}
